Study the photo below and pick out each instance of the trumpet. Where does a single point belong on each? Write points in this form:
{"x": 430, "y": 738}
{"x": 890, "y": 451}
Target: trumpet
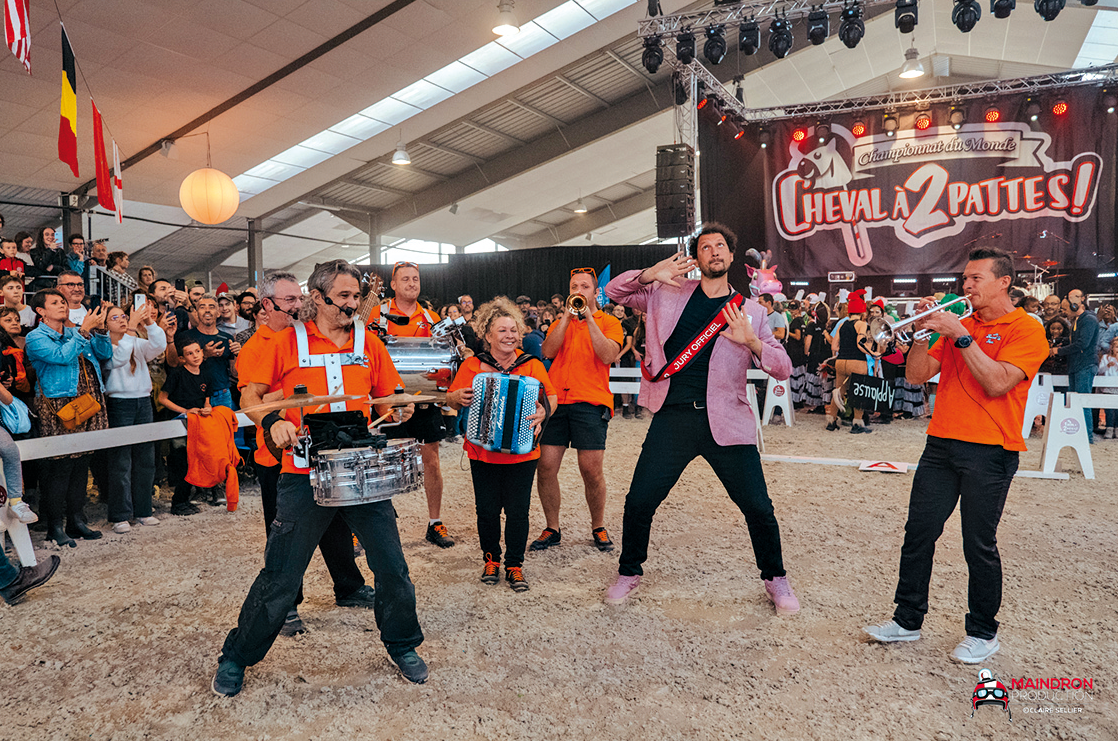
{"x": 576, "y": 304}
{"x": 883, "y": 331}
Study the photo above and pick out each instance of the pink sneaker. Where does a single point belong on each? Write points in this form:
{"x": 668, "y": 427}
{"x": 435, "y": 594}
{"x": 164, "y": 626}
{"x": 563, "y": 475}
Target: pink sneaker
{"x": 618, "y": 593}
{"x": 781, "y": 594}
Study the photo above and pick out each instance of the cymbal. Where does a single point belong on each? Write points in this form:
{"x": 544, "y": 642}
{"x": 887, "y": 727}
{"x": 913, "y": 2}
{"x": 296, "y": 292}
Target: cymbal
{"x": 1061, "y": 275}
{"x": 296, "y": 401}
{"x": 1050, "y": 263}
{"x": 1027, "y": 257}
{"x": 402, "y": 400}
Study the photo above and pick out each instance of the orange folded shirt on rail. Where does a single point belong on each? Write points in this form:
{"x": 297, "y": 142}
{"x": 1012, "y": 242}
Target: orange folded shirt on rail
{"x": 211, "y": 454}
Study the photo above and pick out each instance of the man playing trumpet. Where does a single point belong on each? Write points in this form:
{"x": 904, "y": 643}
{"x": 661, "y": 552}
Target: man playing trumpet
{"x": 583, "y": 342}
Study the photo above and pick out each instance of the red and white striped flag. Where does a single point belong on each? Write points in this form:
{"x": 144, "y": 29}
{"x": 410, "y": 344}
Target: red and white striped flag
{"x": 17, "y": 30}
{"x": 118, "y": 185}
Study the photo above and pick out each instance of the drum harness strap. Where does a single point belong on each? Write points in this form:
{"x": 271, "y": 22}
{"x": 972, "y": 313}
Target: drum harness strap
{"x": 332, "y": 362}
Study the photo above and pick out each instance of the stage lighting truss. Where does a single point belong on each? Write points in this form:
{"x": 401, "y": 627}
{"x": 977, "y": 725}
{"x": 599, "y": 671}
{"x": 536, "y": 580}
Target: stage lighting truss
{"x": 966, "y": 14}
{"x": 851, "y": 27}
{"x": 1002, "y": 8}
{"x": 780, "y": 37}
{"x": 653, "y": 55}
{"x": 889, "y": 123}
{"x": 685, "y": 47}
{"x": 905, "y": 16}
{"x": 992, "y": 115}
{"x": 715, "y": 47}
{"x": 1048, "y": 9}
{"x": 923, "y": 121}
{"x": 818, "y": 26}
{"x": 957, "y": 117}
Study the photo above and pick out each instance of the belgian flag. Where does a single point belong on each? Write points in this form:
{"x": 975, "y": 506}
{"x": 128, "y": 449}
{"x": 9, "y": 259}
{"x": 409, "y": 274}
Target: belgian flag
{"x": 68, "y": 121}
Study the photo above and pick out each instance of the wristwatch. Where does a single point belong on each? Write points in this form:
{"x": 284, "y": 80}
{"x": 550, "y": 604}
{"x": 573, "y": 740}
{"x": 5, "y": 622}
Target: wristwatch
{"x": 964, "y": 342}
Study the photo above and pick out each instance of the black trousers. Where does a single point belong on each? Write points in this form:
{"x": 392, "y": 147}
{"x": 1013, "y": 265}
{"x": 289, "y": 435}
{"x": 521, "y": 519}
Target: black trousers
{"x": 508, "y": 487}
{"x": 297, "y": 529}
{"x": 336, "y": 544}
{"x": 62, "y": 487}
{"x": 978, "y": 478}
{"x": 678, "y": 434}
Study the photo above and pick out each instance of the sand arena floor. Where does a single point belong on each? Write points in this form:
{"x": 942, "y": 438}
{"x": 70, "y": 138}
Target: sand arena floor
{"x": 123, "y": 642}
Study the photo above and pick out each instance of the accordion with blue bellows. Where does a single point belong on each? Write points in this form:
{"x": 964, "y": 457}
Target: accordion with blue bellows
{"x": 499, "y": 411}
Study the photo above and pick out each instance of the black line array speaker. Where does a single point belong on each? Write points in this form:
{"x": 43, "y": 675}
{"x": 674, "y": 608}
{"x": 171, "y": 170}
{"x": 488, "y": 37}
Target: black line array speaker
{"x": 675, "y": 191}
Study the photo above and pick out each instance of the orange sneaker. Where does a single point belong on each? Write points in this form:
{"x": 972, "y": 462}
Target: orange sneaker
{"x": 601, "y": 540}
{"x": 514, "y": 575}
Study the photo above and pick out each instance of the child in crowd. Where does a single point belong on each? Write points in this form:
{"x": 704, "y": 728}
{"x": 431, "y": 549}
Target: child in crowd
{"x": 10, "y": 264}
{"x": 1108, "y": 366}
{"x": 11, "y": 290}
{"x": 186, "y": 391}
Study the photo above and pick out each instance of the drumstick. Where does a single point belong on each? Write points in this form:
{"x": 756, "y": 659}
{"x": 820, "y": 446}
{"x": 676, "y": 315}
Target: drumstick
{"x": 382, "y": 417}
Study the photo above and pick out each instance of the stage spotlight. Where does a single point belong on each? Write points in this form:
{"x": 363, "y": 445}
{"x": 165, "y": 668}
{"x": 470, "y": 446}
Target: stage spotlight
{"x": 889, "y": 124}
{"x": 1109, "y": 101}
{"x": 906, "y": 15}
{"x": 822, "y": 132}
{"x": 715, "y": 47}
{"x": 966, "y": 15}
{"x": 852, "y": 28}
{"x": 859, "y": 128}
{"x": 1002, "y": 8}
{"x": 764, "y": 137}
{"x": 653, "y": 55}
{"x": 682, "y": 91}
{"x": 780, "y": 38}
{"x": 818, "y": 26}
{"x": 799, "y": 134}
{"x": 923, "y": 122}
{"x": 958, "y": 117}
{"x": 1048, "y": 9}
{"x": 1060, "y": 107}
{"x": 685, "y": 47}
{"x": 1032, "y": 109}
{"x": 739, "y": 133}
{"x": 993, "y": 115}
{"x": 749, "y": 37}
{"x": 654, "y": 8}
{"x": 739, "y": 93}
{"x": 701, "y": 95}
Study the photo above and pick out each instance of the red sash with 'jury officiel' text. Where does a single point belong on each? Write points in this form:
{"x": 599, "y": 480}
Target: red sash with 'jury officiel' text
{"x": 697, "y": 343}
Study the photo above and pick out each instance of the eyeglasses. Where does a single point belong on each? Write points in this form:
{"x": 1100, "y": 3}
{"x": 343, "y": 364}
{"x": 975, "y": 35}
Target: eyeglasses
{"x": 591, "y": 271}
{"x": 68, "y": 285}
{"x": 403, "y": 264}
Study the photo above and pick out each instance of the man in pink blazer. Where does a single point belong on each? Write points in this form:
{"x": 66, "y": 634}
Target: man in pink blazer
{"x": 701, "y": 409}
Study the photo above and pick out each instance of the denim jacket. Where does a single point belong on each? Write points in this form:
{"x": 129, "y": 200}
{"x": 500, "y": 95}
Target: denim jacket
{"x": 54, "y": 357}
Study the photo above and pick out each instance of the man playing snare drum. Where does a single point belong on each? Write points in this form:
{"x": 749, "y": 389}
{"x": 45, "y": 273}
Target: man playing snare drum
{"x": 335, "y": 290}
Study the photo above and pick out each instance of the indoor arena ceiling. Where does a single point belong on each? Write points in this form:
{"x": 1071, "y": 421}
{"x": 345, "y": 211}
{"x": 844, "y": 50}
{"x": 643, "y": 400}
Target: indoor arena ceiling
{"x": 561, "y": 112}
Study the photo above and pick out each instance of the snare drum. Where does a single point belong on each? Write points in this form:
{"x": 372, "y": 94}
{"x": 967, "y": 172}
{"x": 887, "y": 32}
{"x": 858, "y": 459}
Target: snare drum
{"x": 341, "y": 478}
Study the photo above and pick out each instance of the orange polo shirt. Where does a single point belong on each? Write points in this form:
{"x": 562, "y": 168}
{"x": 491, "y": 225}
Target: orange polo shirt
{"x": 252, "y": 368}
{"x": 576, "y": 371}
{"x": 378, "y": 378}
{"x": 419, "y": 323}
{"x": 465, "y": 379}
{"x": 963, "y": 410}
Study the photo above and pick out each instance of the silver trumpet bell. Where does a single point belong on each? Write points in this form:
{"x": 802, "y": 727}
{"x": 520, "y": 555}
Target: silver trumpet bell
{"x": 883, "y": 331}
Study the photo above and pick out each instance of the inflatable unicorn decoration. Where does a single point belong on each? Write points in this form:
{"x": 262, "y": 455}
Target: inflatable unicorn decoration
{"x": 763, "y": 279}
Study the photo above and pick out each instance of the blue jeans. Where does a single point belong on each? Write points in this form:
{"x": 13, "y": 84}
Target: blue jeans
{"x": 295, "y": 533}
{"x": 222, "y": 398}
{"x": 132, "y": 467}
{"x": 13, "y": 469}
{"x": 8, "y": 572}
{"x": 1082, "y": 383}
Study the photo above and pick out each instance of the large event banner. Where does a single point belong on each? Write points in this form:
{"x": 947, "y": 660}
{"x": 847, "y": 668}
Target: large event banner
{"x": 916, "y": 202}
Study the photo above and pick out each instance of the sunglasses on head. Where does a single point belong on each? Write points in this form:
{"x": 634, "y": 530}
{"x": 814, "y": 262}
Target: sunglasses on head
{"x": 590, "y": 271}
{"x": 403, "y": 264}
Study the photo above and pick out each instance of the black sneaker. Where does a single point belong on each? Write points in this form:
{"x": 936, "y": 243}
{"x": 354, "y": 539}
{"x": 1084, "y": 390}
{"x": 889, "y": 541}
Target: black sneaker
{"x": 627, "y": 412}
{"x": 438, "y": 535}
{"x": 832, "y": 426}
{"x": 514, "y": 575}
{"x": 293, "y": 625}
{"x": 217, "y": 496}
{"x": 860, "y": 430}
{"x": 637, "y": 413}
{"x": 184, "y": 508}
{"x": 547, "y": 539}
{"x": 411, "y": 666}
{"x": 363, "y": 597}
{"x": 229, "y": 679}
{"x": 491, "y": 574}
{"x": 601, "y": 539}
{"x": 28, "y": 578}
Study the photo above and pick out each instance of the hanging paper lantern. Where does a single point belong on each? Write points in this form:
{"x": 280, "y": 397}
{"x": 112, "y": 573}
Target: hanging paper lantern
{"x": 209, "y": 196}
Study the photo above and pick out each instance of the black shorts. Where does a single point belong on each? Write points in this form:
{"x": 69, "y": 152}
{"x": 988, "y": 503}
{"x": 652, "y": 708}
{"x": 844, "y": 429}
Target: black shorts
{"x": 581, "y": 426}
{"x": 426, "y": 425}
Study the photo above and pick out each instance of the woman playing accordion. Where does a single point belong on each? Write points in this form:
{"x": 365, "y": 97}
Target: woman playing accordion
{"x": 502, "y": 480}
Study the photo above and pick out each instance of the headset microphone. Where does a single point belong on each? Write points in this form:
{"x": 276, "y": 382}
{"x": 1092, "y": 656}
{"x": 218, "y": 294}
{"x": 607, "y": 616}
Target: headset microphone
{"x": 349, "y": 311}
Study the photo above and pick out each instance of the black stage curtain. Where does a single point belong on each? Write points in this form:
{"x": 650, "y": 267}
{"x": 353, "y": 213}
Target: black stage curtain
{"x": 536, "y": 273}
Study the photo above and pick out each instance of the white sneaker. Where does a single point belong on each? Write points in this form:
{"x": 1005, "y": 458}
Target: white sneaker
{"x": 890, "y": 632}
{"x": 149, "y": 521}
{"x": 122, "y": 527}
{"x": 23, "y": 513}
{"x": 974, "y": 650}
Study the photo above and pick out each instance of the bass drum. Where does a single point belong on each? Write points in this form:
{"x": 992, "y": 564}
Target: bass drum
{"x": 426, "y": 364}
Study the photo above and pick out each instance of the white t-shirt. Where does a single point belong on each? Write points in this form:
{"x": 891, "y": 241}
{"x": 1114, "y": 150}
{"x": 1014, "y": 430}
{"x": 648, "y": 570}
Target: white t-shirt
{"x": 27, "y": 316}
{"x": 77, "y": 316}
